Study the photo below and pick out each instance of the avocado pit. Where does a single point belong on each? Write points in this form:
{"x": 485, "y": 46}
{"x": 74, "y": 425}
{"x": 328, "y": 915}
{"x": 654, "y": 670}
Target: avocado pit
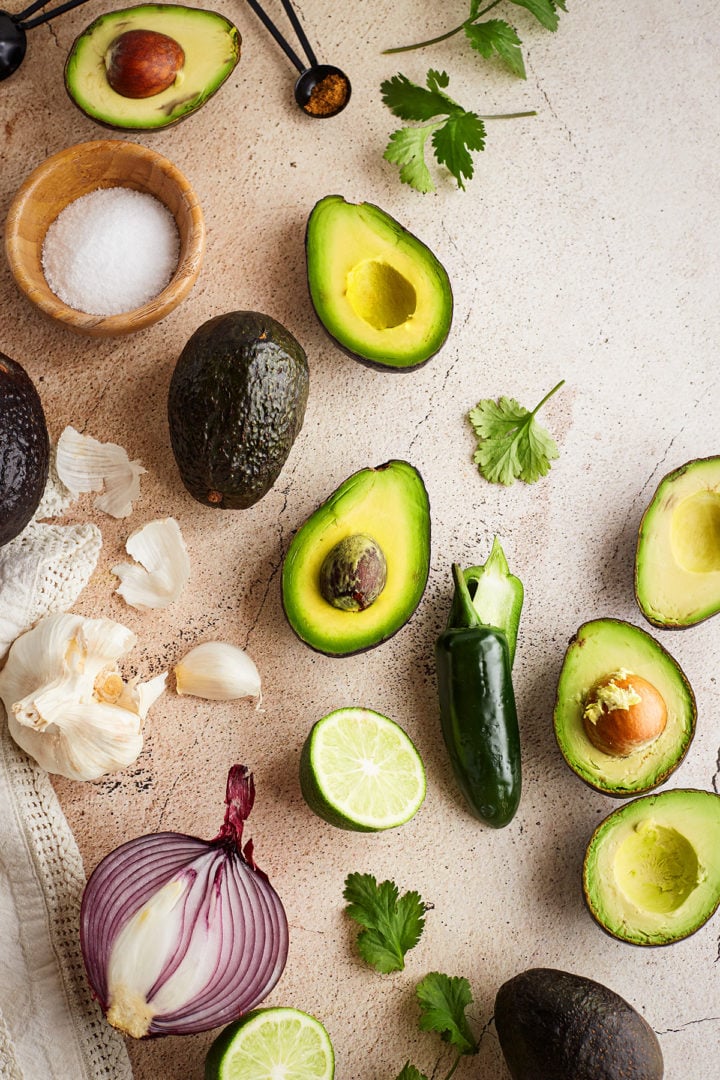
{"x": 353, "y": 573}
{"x": 143, "y": 63}
{"x": 624, "y": 713}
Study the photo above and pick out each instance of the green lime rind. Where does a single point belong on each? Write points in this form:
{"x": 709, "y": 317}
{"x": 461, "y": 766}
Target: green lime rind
{"x": 257, "y": 1045}
{"x": 360, "y": 771}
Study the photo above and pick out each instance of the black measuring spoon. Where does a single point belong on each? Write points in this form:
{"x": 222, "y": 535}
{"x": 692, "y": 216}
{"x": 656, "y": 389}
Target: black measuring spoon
{"x": 13, "y": 40}
{"x": 321, "y": 89}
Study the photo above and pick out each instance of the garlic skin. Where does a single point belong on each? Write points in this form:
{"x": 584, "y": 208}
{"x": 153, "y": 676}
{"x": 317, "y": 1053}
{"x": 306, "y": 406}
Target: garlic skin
{"x": 164, "y": 565}
{"x": 217, "y": 671}
{"x": 66, "y": 702}
{"x": 84, "y": 464}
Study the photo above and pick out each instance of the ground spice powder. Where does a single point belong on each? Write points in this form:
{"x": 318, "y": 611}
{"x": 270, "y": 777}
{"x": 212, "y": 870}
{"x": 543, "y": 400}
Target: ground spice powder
{"x": 328, "y": 95}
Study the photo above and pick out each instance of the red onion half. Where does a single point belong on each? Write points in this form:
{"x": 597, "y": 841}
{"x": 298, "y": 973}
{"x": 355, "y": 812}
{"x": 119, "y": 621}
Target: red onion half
{"x": 180, "y": 935}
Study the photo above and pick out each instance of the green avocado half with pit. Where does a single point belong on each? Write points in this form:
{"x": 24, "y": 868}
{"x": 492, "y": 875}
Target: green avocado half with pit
{"x": 380, "y": 293}
{"x": 651, "y": 874}
{"x": 356, "y": 570}
{"x": 601, "y": 654}
{"x": 677, "y": 562}
{"x": 125, "y": 69}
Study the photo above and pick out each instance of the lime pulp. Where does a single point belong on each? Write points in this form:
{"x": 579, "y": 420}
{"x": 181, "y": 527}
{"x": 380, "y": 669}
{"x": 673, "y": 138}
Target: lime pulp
{"x": 272, "y": 1044}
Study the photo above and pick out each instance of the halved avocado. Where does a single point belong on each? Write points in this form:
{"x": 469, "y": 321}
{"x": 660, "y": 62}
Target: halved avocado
{"x": 379, "y": 292}
{"x": 554, "y": 1025}
{"x": 651, "y": 874}
{"x": 210, "y": 44}
{"x": 599, "y": 651}
{"x": 388, "y": 505}
{"x": 677, "y": 563}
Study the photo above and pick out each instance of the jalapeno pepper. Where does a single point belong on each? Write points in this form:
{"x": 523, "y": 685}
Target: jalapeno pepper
{"x": 477, "y": 710}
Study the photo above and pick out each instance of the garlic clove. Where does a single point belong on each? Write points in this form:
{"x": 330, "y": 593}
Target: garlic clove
{"x": 164, "y": 565}
{"x": 217, "y": 671}
{"x": 85, "y": 464}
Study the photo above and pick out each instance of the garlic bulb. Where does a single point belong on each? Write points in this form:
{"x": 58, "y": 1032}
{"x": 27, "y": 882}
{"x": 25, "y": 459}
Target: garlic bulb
{"x": 217, "y": 671}
{"x": 66, "y": 701}
{"x": 84, "y": 464}
{"x": 164, "y": 567}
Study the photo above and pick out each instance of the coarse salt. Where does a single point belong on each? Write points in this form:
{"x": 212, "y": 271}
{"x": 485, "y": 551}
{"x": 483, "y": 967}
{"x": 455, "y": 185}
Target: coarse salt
{"x": 111, "y": 251}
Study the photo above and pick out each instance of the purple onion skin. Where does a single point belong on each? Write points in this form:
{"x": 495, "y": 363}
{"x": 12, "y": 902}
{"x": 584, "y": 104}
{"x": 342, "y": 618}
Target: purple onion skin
{"x": 251, "y": 932}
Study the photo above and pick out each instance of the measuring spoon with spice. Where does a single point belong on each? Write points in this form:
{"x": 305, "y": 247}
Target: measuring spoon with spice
{"x": 321, "y": 89}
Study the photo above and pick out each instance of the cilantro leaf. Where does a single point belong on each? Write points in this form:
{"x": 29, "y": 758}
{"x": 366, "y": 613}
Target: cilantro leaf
{"x": 412, "y": 102}
{"x": 545, "y": 11}
{"x": 409, "y": 1072}
{"x": 443, "y": 1000}
{"x": 393, "y": 923}
{"x": 462, "y": 132}
{"x": 407, "y": 149}
{"x": 512, "y": 444}
{"x": 499, "y": 38}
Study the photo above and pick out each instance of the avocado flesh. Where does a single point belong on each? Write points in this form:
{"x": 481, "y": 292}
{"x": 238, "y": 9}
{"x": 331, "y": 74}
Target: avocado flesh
{"x": 651, "y": 874}
{"x": 24, "y": 449}
{"x": 236, "y": 404}
{"x": 379, "y": 292}
{"x": 598, "y": 649}
{"x": 555, "y": 1025}
{"x": 212, "y": 49}
{"x": 677, "y": 564}
{"x": 388, "y": 503}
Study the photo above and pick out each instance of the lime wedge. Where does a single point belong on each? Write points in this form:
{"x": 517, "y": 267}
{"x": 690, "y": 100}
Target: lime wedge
{"x": 359, "y": 770}
{"x": 272, "y": 1044}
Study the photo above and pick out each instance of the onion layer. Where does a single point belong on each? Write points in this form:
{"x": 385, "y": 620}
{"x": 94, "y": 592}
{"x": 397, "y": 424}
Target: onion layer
{"x": 180, "y": 935}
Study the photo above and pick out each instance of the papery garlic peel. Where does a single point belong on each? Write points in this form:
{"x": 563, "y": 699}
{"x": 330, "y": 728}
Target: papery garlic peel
{"x": 66, "y": 701}
{"x": 217, "y": 671}
{"x": 84, "y": 464}
{"x": 161, "y": 569}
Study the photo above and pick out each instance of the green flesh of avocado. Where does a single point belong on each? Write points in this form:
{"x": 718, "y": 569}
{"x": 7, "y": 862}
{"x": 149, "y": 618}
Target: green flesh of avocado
{"x": 235, "y": 407}
{"x": 599, "y": 649}
{"x": 379, "y": 292}
{"x": 554, "y": 1025}
{"x": 651, "y": 874}
{"x": 211, "y": 45}
{"x": 677, "y": 564}
{"x": 24, "y": 449}
{"x": 390, "y": 505}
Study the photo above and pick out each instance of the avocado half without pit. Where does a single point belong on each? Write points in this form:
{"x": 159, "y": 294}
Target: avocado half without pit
{"x": 380, "y": 293}
{"x": 356, "y": 570}
{"x": 625, "y": 712}
{"x": 149, "y": 66}
{"x": 651, "y": 874}
{"x": 677, "y": 563}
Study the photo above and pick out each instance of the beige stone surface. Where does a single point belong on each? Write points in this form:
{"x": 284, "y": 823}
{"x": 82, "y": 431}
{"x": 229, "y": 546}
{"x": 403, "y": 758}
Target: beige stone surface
{"x": 585, "y": 248}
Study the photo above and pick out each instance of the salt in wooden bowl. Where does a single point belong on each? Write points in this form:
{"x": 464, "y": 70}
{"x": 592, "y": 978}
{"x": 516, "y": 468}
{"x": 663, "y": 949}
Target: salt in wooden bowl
{"x": 74, "y": 172}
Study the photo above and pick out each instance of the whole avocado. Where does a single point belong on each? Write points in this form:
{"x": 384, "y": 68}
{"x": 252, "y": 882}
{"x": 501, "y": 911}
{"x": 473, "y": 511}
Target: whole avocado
{"x": 24, "y": 449}
{"x": 553, "y": 1025}
{"x": 235, "y": 407}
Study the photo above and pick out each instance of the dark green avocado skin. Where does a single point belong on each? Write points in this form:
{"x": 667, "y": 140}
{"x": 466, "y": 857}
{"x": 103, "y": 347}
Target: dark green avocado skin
{"x": 553, "y": 1025}
{"x": 24, "y": 449}
{"x": 235, "y": 407}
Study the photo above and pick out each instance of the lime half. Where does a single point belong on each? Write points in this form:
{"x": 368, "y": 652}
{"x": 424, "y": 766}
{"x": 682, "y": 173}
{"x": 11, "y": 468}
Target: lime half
{"x": 359, "y": 770}
{"x": 272, "y": 1044}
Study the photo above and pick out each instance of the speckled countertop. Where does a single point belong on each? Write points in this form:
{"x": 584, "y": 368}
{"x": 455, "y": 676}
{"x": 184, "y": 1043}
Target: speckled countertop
{"x": 585, "y": 248}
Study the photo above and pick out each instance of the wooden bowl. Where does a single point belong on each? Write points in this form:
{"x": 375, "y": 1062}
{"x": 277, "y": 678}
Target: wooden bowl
{"x": 76, "y": 171}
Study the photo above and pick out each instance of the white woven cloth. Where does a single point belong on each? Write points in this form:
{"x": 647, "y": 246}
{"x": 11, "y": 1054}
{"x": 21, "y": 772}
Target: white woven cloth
{"x": 50, "y": 1027}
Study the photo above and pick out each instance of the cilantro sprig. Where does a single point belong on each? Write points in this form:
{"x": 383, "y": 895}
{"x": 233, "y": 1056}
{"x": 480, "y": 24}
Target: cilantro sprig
{"x": 393, "y": 923}
{"x": 496, "y": 37}
{"x": 443, "y": 1001}
{"x": 453, "y": 131}
{"x": 512, "y": 445}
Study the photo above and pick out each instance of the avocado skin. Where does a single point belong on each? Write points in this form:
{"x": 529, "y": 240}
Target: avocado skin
{"x": 235, "y": 407}
{"x": 553, "y": 1025}
{"x": 24, "y": 449}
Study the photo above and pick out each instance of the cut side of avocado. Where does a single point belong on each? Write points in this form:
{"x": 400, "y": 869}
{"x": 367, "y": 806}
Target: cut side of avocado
{"x": 388, "y": 504}
{"x": 379, "y": 292}
{"x": 211, "y": 47}
{"x": 677, "y": 563}
{"x": 599, "y": 649}
{"x": 651, "y": 874}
